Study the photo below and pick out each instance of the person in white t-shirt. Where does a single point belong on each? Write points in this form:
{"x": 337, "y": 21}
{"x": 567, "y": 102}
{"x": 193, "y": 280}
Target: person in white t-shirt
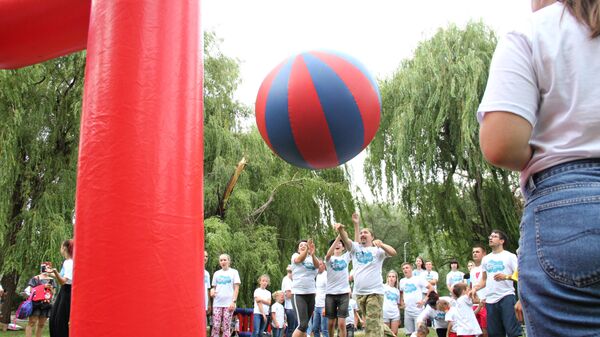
{"x": 278, "y": 322}
{"x": 475, "y": 276}
{"x": 434, "y": 314}
{"x": 454, "y": 276}
{"x": 290, "y": 314}
{"x": 304, "y": 271}
{"x": 391, "y": 302}
{"x": 338, "y": 286}
{"x": 419, "y": 269}
{"x": 262, "y": 301}
{"x": 539, "y": 115}
{"x": 367, "y": 262}
{"x": 412, "y": 299}
{"x": 226, "y": 285}
{"x": 461, "y": 318}
{"x": 319, "y": 321}
{"x": 497, "y": 269}
{"x": 430, "y": 275}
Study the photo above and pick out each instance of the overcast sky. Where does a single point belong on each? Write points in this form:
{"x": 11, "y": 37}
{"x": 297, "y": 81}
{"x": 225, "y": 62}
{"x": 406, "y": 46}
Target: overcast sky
{"x": 379, "y": 33}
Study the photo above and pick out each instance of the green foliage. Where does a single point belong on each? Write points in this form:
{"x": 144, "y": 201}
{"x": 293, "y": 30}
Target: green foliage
{"x": 428, "y": 143}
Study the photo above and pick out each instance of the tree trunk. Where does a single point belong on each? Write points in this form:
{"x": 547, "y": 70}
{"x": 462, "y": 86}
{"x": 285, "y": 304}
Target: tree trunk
{"x": 9, "y": 283}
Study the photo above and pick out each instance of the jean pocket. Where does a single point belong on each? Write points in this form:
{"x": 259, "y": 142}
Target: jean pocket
{"x": 568, "y": 240}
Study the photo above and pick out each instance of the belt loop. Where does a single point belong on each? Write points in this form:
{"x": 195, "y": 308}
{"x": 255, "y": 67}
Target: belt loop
{"x": 530, "y": 184}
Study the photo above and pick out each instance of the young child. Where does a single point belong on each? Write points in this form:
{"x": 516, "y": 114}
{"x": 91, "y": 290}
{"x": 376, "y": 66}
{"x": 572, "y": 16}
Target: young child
{"x": 278, "y": 314}
{"x": 422, "y": 331}
{"x": 461, "y": 318}
{"x": 262, "y": 301}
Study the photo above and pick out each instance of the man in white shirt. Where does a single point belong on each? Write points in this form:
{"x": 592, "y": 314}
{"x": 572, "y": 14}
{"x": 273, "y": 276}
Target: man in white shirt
{"x": 367, "y": 262}
{"x": 290, "y": 315}
{"x": 430, "y": 275}
{"x": 498, "y": 268}
{"x": 476, "y": 274}
{"x": 411, "y": 297}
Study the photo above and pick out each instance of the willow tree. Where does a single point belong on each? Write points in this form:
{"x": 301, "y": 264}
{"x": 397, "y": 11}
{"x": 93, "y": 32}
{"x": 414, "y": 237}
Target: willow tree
{"x": 427, "y": 150}
{"x": 257, "y": 206}
{"x": 39, "y": 135}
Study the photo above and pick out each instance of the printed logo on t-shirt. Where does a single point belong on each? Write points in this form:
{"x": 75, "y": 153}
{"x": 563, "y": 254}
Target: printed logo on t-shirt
{"x": 223, "y": 279}
{"x": 364, "y": 257}
{"x": 429, "y": 277}
{"x": 409, "y": 288}
{"x": 308, "y": 265}
{"x": 495, "y": 266}
{"x": 440, "y": 316}
{"x": 338, "y": 265}
{"x": 392, "y": 296}
{"x": 457, "y": 278}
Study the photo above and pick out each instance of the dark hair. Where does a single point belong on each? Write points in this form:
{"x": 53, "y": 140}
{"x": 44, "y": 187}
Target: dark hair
{"x": 458, "y": 289}
{"x": 586, "y": 12}
{"x": 502, "y": 236}
{"x": 433, "y": 297}
{"x": 422, "y": 262}
{"x": 68, "y": 244}
{"x": 454, "y": 261}
{"x": 479, "y": 245}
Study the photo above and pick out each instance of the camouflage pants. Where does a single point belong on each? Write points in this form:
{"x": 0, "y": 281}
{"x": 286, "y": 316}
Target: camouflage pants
{"x": 371, "y": 307}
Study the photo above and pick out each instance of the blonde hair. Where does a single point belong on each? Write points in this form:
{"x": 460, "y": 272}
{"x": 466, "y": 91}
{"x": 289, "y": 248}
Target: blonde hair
{"x": 276, "y": 294}
{"x": 265, "y": 276}
{"x": 586, "y": 12}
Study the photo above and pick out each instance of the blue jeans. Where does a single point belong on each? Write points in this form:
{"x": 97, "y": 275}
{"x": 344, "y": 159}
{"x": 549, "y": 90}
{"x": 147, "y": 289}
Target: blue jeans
{"x": 559, "y": 254}
{"x": 319, "y": 323}
{"x": 501, "y": 318}
{"x": 277, "y": 332}
{"x": 290, "y": 316}
{"x": 258, "y": 325}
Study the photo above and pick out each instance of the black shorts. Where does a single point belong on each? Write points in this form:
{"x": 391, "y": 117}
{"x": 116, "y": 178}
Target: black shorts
{"x": 336, "y": 306}
{"x": 41, "y": 309}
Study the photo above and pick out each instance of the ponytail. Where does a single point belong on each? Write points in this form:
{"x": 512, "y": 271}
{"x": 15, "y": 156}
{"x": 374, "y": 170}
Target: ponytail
{"x": 587, "y": 12}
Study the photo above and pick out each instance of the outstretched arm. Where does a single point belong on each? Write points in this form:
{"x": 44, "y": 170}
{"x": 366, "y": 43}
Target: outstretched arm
{"x": 356, "y": 223}
{"x": 332, "y": 248}
{"x": 343, "y": 235}
{"x": 389, "y": 250}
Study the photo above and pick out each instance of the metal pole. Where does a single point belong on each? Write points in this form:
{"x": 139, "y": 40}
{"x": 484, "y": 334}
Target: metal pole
{"x": 405, "y": 251}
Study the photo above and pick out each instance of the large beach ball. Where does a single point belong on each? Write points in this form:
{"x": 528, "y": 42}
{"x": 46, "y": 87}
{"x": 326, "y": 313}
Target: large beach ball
{"x": 318, "y": 109}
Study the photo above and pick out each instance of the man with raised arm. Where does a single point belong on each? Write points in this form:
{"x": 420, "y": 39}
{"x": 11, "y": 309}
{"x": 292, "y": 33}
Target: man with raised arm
{"x": 367, "y": 262}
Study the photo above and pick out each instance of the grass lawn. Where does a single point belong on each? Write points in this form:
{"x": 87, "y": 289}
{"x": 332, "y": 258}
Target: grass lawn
{"x": 20, "y": 333}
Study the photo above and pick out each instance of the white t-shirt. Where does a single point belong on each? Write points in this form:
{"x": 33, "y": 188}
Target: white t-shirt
{"x": 476, "y": 276}
{"x": 337, "y": 274}
{"x": 286, "y": 284}
{"x": 412, "y": 292}
{"x": 494, "y": 263}
{"x": 321, "y": 283}
{"x": 391, "y": 299}
{"x": 262, "y": 294}
{"x": 463, "y": 318}
{"x": 418, "y": 272}
{"x": 430, "y": 275}
{"x": 303, "y": 276}
{"x": 437, "y": 316}
{"x": 352, "y": 307}
{"x": 367, "y": 264}
{"x": 547, "y": 73}
{"x": 206, "y": 287}
{"x": 67, "y": 271}
{"x": 223, "y": 281}
{"x": 454, "y": 277}
{"x": 279, "y": 311}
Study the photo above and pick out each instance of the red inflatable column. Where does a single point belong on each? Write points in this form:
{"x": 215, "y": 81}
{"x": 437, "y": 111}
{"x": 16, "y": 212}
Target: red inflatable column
{"x": 139, "y": 231}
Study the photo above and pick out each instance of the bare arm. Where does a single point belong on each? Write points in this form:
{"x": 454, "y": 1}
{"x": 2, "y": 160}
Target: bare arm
{"x": 343, "y": 236}
{"x": 332, "y": 248}
{"x": 356, "y": 223}
{"x": 301, "y": 256}
{"x": 389, "y": 250}
{"x": 504, "y": 140}
{"x": 311, "y": 251}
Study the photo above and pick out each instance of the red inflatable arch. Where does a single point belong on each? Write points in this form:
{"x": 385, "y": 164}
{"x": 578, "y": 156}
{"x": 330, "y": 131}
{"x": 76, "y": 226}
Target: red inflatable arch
{"x": 139, "y": 231}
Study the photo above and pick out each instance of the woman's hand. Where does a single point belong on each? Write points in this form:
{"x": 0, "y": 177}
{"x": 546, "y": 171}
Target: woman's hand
{"x": 231, "y": 306}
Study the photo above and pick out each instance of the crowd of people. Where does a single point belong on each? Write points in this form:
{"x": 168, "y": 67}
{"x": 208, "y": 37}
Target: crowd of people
{"x": 321, "y": 296}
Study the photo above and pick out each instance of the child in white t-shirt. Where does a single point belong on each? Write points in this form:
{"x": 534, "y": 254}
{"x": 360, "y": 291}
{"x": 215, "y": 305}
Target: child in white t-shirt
{"x": 262, "y": 301}
{"x": 422, "y": 331}
{"x": 278, "y": 322}
{"x": 461, "y": 318}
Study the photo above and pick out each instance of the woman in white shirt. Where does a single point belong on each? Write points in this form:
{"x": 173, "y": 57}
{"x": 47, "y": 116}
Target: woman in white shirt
{"x": 540, "y": 115}
{"x": 304, "y": 270}
{"x": 226, "y": 285}
{"x": 61, "y": 310}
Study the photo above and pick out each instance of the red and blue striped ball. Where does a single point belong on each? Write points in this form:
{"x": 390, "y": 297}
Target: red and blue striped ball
{"x": 318, "y": 109}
